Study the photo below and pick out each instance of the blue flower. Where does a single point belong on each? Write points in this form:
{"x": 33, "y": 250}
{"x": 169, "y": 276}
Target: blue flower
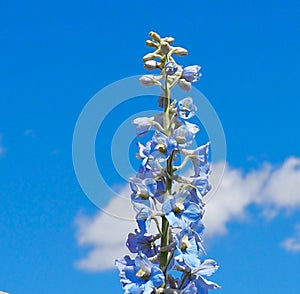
{"x": 145, "y": 155}
{"x": 143, "y": 219}
{"x": 139, "y": 242}
{"x": 180, "y": 212}
{"x": 196, "y": 276}
{"x": 183, "y": 136}
{"x": 164, "y": 144}
{"x": 206, "y": 268}
{"x": 186, "y": 108}
{"x": 143, "y": 188}
{"x": 190, "y": 288}
{"x": 202, "y": 186}
{"x": 191, "y": 73}
{"x": 139, "y": 275}
{"x": 187, "y": 249}
{"x": 199, "y": 158}
{"x": 142, "y": 191}
{"x": 171, "y": 68}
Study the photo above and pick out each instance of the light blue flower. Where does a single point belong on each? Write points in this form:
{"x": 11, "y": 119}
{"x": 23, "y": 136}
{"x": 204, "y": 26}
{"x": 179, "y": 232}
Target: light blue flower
{"x": 142, "y": 191}
{"x": 202, "y": 185}
{"x": 196, "y": 276}
{"x": 140, "y": 242}
{"x": 187, "y": 250}
{"x": 183, "y": 136}
{"x": 139, "y": 275}
{"x": 190, "y": 288}
{"x": 143, "y": 188}
{"x": 171, "y": 68}
{"x": 143, "y": 219}
{"x": 180, "y": 212}
{"x": 191, "y": 73}
{"x": 163, "y": 144}
{"x": 144, "y": 153}
{"x": 199, "y": 158}
{"x": 186, "y": 108}
{"x": 206, "y": 268}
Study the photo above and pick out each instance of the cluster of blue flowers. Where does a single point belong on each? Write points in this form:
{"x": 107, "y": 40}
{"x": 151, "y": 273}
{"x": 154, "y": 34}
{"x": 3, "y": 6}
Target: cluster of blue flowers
{"x": 171, "y": 259}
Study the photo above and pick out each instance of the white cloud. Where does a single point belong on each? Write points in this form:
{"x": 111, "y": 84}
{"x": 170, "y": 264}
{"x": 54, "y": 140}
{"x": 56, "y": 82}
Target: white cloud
{"x": 282, "y": 187}
{"x": 235, "y": 193}
{"x": 271, "y": 188}
{"x": 106, "y": 233}
{"x": 293, "y": 243}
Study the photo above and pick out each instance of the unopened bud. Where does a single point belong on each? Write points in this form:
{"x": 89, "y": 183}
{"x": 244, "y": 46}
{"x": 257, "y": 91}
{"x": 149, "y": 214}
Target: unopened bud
{"x": 150, "y": 64}
{"x": 170, "y": 40}
{"x": 147, "y": 80}
{"x": 184, "y": 85}
{"x": 148, "y": 56}
{"x": 155, "y": 36}
{"x": 179, "y": 51}
{"x": 165, "y": 48}
{"x": 151, "y": 44}
{"x": 171, "y": 68}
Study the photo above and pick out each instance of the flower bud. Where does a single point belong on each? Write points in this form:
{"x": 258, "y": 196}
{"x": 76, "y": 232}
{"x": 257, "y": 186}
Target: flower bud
{"x": 170, "y": 68}
{"x": 147, "y": 80}
{"x": 191, "y": 73}
{"x": 155, "y": 36}
{"x": 150, "y": 64}
{"x": 179, "y": 51}
{"x": 184, "y": 85}
{"x": 151, "y": 44}
{"x": 170, "y": 40}
{"x": 148, "y": 56}
{"x": 165, "y": 48}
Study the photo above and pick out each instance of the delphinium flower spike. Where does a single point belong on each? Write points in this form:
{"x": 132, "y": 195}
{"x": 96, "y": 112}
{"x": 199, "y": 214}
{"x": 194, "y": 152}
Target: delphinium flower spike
{"x": 173, "y": 259}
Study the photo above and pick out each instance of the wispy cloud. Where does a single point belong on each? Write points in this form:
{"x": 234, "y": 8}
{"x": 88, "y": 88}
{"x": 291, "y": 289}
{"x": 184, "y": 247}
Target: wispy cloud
{"x": 2, "y": 148}
{"x": 272, "y": 188}
{"x": 29, "y": 133}
{"x": 293, "y": 243}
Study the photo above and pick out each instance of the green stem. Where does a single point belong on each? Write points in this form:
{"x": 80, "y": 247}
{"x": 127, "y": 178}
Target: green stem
{"x": 183, "y": 280}
{"x": 166, "y": 105}
{"x": 164, "y": 242}
{"x": 165, "y": 224}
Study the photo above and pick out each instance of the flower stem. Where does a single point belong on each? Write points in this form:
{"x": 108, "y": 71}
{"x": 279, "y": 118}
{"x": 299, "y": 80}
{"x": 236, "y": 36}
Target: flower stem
{"x": 166, "y": 105}
{"x": 169, "y": 167}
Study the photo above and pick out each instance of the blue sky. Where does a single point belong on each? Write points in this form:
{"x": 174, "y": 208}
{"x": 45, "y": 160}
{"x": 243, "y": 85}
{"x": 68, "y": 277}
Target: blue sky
{"x": 56, "y": 55}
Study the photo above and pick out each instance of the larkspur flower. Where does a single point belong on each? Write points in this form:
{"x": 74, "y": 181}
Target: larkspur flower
{"x": 199, "y": 158}
{"x": 180, "y": 212}
{"x": 186, "y": 108}
{"x": 205, "y": 269}
{"x": 141, "y": 242}
{"x": 139, "y": 275}
{"x": 143, "y": 219}
{"x": 191, "y": 73}
{"x": 183, "y": 136}
{"x": 187, "y": 250}
{"x": 144, "y": 153}
{"x": 164, "y": 144}
{"x": 142, "y": 190}
{"x": 202, "y": 185}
